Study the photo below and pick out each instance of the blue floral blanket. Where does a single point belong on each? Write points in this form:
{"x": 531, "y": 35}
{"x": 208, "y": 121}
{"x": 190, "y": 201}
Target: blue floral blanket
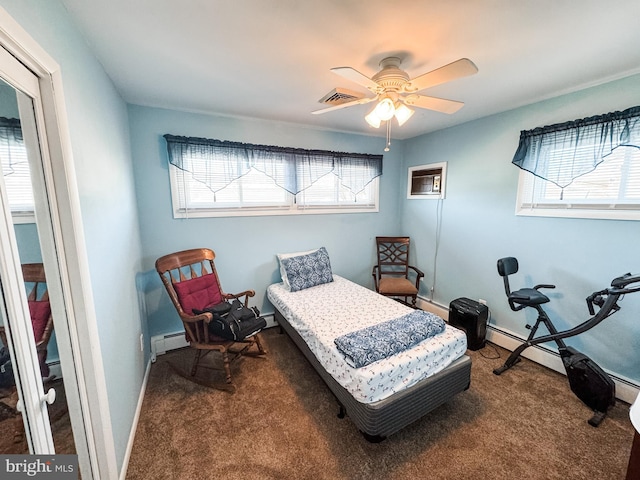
{"x": 383, "y": 340}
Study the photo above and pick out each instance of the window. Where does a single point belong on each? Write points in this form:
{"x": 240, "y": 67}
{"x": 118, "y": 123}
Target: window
{"x": 329, "y": 192}
{"x": 611, "y": 190}
{"x": 15, "y": 168}
{"x": 587, "y": 168}
{"x": 211, "y": 178}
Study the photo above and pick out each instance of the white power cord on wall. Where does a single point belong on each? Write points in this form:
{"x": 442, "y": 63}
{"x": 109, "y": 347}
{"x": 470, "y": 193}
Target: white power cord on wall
{"x": 437, "y": 245}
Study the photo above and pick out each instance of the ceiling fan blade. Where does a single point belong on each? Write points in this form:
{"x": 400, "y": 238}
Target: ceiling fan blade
{"x": 458, "y": 69}
{"x": 433, "y": 103}
{"x": 359, "y": 101}
{"x": 356, "y": 77}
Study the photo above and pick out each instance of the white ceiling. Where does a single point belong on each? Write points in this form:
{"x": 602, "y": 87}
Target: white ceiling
{"x": 270, "y": 59}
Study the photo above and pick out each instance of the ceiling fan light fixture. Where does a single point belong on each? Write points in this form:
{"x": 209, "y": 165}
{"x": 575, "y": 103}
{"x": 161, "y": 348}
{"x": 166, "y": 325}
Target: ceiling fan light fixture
{"x": 402, "y": 113}
{"x": 395, "y": 92}
{"x": 372, "y": 119}
{"x": 385, "y": 109}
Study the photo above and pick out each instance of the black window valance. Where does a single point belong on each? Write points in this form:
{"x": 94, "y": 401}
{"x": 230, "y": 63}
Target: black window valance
{"x": 562, "y": 152}
{"x": 217, "y": 163}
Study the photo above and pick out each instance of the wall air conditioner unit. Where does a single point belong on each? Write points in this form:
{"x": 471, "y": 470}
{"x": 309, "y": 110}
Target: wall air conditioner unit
{"x": 427, "y": 181}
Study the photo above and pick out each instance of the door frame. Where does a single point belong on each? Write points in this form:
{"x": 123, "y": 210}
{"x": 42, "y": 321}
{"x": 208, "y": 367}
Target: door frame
{"x": 81, "y": 360}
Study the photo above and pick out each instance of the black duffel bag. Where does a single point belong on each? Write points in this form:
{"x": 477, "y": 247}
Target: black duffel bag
{"x": 234, "y": 321}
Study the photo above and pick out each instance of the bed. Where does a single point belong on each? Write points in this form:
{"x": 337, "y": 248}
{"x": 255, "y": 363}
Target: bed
{"x": 389, "y": 394}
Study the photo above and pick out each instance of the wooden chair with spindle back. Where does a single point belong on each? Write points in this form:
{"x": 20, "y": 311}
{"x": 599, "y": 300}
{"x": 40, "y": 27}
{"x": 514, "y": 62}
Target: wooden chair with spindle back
{"x": 392, "y": 274}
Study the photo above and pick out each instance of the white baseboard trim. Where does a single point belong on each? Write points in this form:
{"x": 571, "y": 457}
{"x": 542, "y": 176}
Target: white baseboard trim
{"x": 626, "y": 390}
{"x": 433, "y": 307}
{"x": 134, "y": 426}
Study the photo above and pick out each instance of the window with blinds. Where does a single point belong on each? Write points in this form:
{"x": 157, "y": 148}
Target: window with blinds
{"x": 255, "y": 193}
{"x": 610, "y": 191}
{"x": 17, "y": 178}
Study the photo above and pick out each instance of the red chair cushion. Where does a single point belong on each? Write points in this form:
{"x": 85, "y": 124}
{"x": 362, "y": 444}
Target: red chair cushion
{"x": 40, "y": 312}
{"x": 198, "y": 293}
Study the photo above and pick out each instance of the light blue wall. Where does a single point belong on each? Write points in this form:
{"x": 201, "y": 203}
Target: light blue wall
{"x": 101, "y": 150}
{"x": 28, "y": 243}
{"x": 479, "y": 226}
{"x": 246, "y": 246}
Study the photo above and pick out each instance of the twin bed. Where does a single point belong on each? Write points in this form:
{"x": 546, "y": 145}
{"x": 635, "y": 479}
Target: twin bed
{"x": 315, "y": 307}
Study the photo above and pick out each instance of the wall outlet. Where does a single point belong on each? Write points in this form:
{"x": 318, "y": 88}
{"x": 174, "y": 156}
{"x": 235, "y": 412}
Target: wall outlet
{"x": 141, "y": 342}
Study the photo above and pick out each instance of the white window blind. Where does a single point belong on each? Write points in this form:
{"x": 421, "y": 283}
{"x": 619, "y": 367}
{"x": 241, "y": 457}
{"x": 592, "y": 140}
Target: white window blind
{"x": 219, "y": 178}
{"x": 257, "y": 194}
{"x": 611, "y": 190}
{"x": 585, "y": 168}
{"x": 15, "y": 168}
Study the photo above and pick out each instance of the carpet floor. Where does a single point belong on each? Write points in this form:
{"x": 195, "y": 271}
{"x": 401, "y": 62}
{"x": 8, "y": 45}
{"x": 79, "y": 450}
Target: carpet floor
{"x": 281, "y": 423}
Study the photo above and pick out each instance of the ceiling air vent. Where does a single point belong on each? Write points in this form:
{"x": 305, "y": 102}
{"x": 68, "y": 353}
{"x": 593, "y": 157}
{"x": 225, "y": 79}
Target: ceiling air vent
{"x": 338, "y": 96}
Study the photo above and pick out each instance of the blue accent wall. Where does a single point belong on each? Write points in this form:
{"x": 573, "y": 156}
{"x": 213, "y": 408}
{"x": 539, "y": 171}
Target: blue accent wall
{"x": 478, "y": 225}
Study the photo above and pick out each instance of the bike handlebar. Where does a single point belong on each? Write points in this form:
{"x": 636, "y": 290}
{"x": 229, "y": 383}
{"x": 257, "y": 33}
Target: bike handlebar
{"x": 620, "y": 286}
{"x": 624, "y": 280}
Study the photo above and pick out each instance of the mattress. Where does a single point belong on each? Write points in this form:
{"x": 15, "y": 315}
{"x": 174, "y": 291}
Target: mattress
{"x": 324, "y": 312}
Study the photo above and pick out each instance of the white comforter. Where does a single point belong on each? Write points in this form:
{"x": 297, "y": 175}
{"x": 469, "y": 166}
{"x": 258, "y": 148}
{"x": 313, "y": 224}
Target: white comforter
{"x": 324, "y": 312}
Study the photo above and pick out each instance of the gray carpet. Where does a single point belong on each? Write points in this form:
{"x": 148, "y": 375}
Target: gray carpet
{"x": 281, "y": 424}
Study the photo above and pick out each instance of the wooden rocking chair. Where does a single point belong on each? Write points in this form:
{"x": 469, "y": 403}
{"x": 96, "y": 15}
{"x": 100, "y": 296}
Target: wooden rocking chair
{"x": 192, "y": 283}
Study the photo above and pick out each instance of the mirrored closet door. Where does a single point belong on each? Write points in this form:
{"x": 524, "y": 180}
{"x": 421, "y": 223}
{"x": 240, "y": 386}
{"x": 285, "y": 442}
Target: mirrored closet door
{"x": 34, "y": 416}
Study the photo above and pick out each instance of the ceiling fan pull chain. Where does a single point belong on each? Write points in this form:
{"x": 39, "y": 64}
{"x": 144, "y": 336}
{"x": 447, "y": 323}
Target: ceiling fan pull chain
{"x": 386, "y": 149}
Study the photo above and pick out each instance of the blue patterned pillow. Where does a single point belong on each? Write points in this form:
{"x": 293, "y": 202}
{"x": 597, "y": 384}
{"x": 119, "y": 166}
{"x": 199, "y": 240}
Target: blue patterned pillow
{"x": 306, "y": 271}
{"x": 283, "y": 272}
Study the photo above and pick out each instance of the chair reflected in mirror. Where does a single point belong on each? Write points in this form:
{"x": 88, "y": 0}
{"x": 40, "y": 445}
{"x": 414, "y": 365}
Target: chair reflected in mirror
{"x": 39, "y": 311}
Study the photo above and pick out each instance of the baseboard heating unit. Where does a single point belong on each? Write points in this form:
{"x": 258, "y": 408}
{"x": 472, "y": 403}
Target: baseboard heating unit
{"x": 161, "y": 344}
{"x": 626, "y": 390}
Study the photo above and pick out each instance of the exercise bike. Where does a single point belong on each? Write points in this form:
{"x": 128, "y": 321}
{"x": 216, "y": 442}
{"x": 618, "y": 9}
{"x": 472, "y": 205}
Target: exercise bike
{"x": 587, "y": 380}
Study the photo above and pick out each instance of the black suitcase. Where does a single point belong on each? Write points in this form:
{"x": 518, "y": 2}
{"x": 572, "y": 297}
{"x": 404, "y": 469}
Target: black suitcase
{"x": 589, "y": 382}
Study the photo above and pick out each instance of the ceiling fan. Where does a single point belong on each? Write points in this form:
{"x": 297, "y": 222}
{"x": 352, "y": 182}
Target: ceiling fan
{"x": 396, "y": 92}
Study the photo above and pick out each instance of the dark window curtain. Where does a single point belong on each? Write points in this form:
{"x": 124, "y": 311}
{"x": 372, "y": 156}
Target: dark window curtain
{"x": 217, "y": 163}
{"x": 562, "y": 152}
{"x": 11, "y": 144}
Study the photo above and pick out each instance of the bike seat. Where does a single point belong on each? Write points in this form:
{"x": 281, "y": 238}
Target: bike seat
{"x": 528, "y": 297}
